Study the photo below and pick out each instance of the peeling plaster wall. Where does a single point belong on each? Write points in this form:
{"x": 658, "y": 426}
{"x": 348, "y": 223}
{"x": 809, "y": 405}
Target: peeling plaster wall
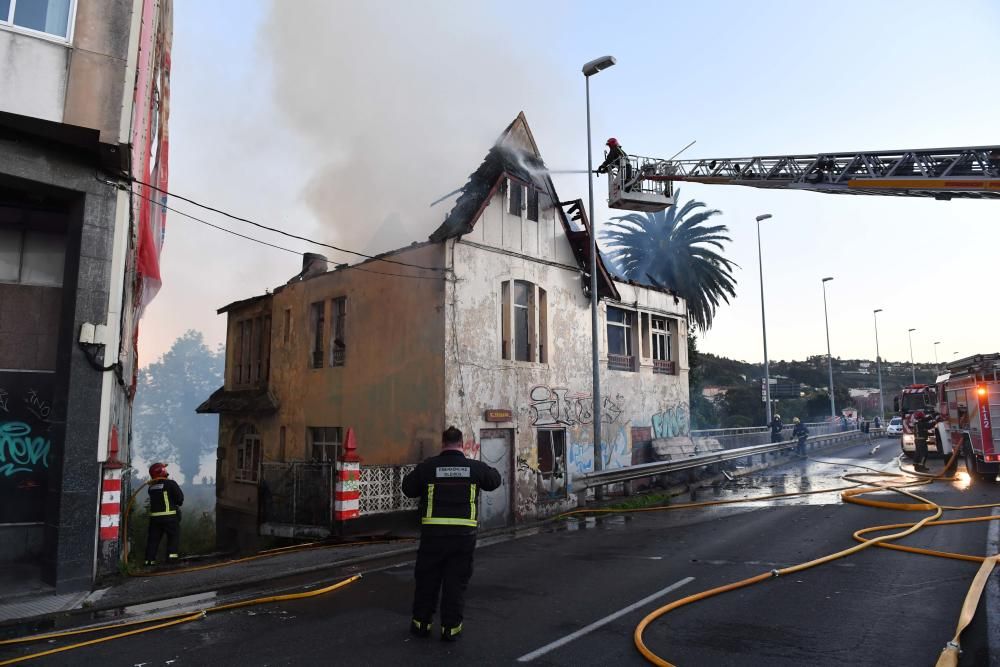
{"x": 390, "y": 388}
{"x": 556, "y": 394}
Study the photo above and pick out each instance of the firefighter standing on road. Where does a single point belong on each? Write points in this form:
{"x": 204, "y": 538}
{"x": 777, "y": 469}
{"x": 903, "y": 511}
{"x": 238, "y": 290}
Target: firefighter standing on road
{"x": 448, "y": 486}
{"x": 165, "y": 500}
{"x": 800, "y": 432}
{"x": 922, "y": 427}
{"x": 776, "y": 427}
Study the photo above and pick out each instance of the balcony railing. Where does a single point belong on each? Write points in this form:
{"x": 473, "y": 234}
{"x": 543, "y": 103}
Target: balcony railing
{"x": 621, "y": 362}
{"x": 665, "y": 367}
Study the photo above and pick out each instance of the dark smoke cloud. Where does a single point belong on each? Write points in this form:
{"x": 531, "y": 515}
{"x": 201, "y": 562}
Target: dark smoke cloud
{"x": 398, "y": 102}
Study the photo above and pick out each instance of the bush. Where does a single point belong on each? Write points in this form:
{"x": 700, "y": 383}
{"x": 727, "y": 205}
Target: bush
{"x": 197, "y": 534}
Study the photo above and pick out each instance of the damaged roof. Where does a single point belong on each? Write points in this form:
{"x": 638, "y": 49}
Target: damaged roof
{"x": 246, "y": 400}
{"x": 515, "y": 155}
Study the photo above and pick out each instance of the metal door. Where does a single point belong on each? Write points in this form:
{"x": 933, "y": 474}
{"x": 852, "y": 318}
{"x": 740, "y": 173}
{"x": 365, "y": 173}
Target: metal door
{"x": 496, "y": 449}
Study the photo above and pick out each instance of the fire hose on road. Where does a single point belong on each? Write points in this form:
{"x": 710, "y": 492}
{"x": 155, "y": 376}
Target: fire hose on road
{"x": 949, "y": 655}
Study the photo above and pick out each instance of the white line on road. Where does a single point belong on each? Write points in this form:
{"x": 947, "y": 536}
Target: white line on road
{"x": 528, "y": 657}
{"x": 993, "y": 595}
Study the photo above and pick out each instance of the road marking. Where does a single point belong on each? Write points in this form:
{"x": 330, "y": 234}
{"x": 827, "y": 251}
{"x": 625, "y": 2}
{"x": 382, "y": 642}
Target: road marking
{"x": 993, "y": 595}
{"x": 528, "y": 657}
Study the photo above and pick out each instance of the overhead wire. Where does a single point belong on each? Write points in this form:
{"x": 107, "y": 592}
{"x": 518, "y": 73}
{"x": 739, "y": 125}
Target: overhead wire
{"x": 277, "y": 230}
{"x": 195, "y": 218}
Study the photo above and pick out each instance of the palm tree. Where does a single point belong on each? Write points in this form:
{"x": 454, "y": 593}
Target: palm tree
{"x": 675, "y": 250}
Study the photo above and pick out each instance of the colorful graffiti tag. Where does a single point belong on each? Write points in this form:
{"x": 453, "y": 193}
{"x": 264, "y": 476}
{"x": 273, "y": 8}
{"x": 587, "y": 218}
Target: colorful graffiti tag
{"x": 671, "y": 422}
{"x": 25, "y": 445}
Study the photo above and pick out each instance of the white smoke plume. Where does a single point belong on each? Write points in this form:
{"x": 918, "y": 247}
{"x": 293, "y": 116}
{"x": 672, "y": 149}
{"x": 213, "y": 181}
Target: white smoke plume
{"x": 398, "y": 102}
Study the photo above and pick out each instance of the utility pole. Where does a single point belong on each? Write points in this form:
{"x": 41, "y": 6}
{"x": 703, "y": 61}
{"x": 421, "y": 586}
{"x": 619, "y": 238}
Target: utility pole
{"x": 878, "y": 365}
{"x": 829, "y": 357}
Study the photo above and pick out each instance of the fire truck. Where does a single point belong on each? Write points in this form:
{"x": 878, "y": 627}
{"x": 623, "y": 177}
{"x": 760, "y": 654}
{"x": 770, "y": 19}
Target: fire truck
{"x": 968, "y": 395}
{"x": 916, "y": 398}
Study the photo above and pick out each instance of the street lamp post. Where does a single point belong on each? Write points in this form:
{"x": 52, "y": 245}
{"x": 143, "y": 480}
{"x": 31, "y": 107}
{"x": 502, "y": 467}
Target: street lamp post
{"x": 590, "y": 69}
{"x": 878, "y": 366}
{"x": 913, "y": 367}
{"x": 937, "y": 368}
{"x": 763, "y": 321}
{"x": 829, "y": 357}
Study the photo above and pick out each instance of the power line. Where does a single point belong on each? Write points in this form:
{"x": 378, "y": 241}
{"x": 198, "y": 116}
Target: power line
{"x": 272, "y": 245}
{"x": 282, "y": 232}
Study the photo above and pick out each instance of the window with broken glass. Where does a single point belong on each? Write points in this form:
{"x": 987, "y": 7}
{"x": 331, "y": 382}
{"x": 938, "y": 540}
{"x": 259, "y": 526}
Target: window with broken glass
{"x": 317, "y": 324}
{"x": 552, "y": 463}
{"x": 515, "y": 197}
{"x": 523, "y": 321}
{"x": 620, "y": 354}
{"x": 247, "y": 455}
{"x": 338, "y": 344}
{"x": 324, "y": 442}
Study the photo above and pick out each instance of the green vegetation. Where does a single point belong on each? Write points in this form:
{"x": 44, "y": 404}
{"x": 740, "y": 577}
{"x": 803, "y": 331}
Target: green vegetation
{"x": 197, "y": 534}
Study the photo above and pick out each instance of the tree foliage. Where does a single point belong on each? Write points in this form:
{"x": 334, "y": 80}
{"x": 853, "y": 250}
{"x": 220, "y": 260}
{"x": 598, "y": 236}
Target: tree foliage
{"x": 676, "y": 250}
{"x": 165, "y": 425}
{"x": 703, "y": 411}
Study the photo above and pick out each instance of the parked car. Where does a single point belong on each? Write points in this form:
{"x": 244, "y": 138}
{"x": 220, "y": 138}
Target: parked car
{"x": 895, "y": 427}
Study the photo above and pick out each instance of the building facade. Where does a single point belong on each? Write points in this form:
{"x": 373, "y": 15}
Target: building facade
{"x": 83, "y": 111}
{"x": 486, "y": 327}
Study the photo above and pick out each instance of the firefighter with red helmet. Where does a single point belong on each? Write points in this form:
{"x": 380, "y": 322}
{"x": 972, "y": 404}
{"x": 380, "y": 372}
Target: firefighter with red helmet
{"x": 165, "y": 500}
{"x": 615, "y": 153}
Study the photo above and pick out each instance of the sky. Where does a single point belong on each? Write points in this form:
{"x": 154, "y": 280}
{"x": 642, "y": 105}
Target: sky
{"x": 343, "y": 121}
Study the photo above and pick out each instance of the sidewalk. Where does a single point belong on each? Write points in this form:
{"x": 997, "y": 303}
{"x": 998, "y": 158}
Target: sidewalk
{"x": 39, "y": 606}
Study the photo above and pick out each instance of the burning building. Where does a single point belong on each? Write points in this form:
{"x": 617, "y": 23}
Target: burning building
{"x": 486, "y": 325}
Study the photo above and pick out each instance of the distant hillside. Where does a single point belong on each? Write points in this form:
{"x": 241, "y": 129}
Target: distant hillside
{"x": 848, "y": 373}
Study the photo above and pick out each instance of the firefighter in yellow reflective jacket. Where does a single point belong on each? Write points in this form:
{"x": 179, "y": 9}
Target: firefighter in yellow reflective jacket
{"x": 165, "y": 500}
{"x": 448, "y": 486}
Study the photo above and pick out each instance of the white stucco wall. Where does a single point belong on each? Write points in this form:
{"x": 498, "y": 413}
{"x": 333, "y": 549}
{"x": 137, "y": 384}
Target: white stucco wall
{"x": 33, "y": 75}
{"x": 556, "y": 394}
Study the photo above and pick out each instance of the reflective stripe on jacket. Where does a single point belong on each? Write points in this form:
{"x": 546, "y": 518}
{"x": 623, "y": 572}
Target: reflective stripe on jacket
{"x": 448, "y": 486}
{"x": 165, "y": 497}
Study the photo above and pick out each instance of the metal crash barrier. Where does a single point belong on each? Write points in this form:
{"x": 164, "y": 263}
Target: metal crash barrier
{"x": 592, "y": 480}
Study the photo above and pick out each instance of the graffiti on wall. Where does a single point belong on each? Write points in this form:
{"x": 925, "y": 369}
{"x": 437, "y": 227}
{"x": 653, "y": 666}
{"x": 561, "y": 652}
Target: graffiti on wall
{"x": 616, "y": 449}
{"x": 25, "y": 445}
{"x": 671, "y": 422}
{"x": 556, "y": 406}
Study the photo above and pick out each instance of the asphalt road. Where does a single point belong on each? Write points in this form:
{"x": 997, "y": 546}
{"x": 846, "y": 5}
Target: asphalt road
{"x": 541, "y": 596}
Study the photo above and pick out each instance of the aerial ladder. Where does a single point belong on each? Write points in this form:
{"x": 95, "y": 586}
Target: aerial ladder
{"x": 639, "y": 183}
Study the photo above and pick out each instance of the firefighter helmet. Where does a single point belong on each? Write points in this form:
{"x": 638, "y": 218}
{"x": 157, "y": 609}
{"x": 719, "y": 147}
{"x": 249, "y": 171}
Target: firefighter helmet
{"x": 612, "y": 142}
{"x": 777, "y": 416}
{"x": 795, "y": 421}
{"x": 158, "y": 470}
{"x": 919, "y": 414}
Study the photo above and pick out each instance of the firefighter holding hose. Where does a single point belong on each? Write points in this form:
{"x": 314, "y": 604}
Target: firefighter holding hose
{"x": 165, "y": 500}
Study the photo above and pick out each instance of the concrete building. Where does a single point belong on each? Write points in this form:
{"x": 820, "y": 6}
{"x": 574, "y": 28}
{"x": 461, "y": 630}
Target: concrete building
{"x": 485, "y": 326}
{"x": 83, "y": 108}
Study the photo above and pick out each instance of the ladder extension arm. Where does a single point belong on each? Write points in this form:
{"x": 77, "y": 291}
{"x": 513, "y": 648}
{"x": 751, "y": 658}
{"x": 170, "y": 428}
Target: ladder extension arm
{"x": 942, "y": 173}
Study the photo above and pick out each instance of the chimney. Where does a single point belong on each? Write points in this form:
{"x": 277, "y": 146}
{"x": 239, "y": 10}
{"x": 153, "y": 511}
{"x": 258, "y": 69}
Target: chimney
{"x": 313, "y": 265}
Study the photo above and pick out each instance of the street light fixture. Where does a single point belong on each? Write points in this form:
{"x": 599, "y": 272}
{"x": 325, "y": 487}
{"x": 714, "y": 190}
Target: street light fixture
{"x": 590, "y": 69}
{"x": 878, "y": 366}
{"x": 763, "y": 322}
{"x": 937, "y": 368}
{"x": 913, "y": 368}
{"x": 829, "y": 357}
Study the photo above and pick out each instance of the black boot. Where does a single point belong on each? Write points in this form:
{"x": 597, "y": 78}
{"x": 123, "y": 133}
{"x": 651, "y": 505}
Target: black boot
{"x": 420, "y": 628}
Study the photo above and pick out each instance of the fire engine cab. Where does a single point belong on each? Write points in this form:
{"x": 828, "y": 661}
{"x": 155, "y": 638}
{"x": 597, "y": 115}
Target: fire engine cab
{"x": 916, "y": 398}
{"x": 969, "y": 395}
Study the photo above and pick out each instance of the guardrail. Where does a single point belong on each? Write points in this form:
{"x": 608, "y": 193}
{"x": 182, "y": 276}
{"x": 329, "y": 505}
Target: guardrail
{"x": 617, "y": 475}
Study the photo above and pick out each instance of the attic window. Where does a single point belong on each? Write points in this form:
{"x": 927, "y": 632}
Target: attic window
{"x": 515, "y": 197}
{"x": 532, "y": 204}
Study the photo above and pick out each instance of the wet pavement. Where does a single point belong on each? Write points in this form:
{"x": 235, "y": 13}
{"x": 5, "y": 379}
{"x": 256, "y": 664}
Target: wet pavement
{"x": 572, "y": 595}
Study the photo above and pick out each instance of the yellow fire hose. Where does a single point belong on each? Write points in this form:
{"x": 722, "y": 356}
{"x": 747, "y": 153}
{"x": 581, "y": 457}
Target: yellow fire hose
{"x": 949, "y": 656}
{"x": 268, "y": 553}
{"x": 158, "y": 623}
